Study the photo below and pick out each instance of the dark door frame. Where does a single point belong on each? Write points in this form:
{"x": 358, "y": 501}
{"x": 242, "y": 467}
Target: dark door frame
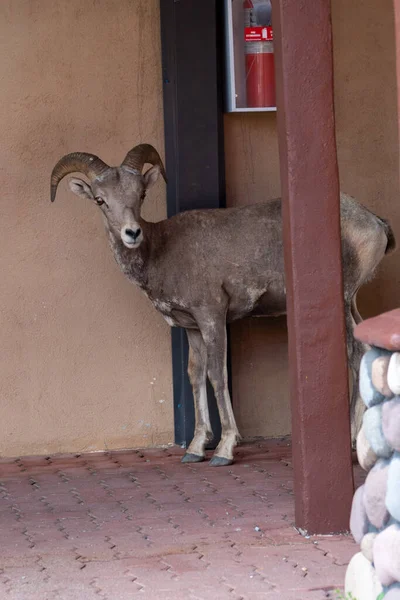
{"x": 192, "y": 54}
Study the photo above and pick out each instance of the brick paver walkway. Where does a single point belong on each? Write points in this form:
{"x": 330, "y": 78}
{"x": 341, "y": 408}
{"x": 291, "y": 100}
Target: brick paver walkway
{"x": 138, "y": 524}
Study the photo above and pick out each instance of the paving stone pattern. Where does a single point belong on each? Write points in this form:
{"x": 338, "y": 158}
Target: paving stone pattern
{"x": 139, "y": 524}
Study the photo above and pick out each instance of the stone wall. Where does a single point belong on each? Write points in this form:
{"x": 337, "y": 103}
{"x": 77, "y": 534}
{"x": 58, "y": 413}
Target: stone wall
{"x": 375, "y": 517}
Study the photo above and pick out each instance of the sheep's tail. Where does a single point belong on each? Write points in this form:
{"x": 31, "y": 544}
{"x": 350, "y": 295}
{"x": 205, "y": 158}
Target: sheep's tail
{"x": 391, "y": 240}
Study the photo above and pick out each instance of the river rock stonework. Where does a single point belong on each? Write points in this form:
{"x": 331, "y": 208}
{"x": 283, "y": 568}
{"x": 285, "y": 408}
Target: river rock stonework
{"x": 375, "y": 517}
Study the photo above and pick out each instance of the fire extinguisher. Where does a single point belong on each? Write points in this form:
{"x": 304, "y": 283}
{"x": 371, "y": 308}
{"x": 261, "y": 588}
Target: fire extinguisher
{"x": 259, "y": 50}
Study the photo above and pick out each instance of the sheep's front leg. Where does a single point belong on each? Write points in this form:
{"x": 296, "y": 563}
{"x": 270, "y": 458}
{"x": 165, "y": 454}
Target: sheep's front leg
{"x": 214, "y": 335}
{"x": 197, "y": 371}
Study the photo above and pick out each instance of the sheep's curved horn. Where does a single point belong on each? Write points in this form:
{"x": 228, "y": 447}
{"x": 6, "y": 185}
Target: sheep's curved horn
{"x": 77, "y": 162}
{"x": 142, "y": 154}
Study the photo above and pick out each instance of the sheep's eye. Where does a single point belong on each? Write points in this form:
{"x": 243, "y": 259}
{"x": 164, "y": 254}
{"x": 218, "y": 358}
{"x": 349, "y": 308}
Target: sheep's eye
{"x": 143, "y": 196}
{"x": 99, "y": 201}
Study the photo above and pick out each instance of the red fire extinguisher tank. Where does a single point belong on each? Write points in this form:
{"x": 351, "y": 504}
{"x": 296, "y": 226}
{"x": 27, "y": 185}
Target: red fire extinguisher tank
{"x": 259, "y": 50}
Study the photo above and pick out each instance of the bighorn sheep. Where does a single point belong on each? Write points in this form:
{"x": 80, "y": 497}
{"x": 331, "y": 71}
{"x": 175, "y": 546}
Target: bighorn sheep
{"x": 204, "y": 268}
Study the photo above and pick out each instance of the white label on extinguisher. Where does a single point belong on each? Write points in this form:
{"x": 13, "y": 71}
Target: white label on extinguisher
{"x": 258, "y": 34}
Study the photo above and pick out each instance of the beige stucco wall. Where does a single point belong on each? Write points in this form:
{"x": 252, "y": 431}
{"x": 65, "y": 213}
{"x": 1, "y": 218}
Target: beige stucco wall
{"x": 85, "y": 359}
{"x": 368, "y": 159}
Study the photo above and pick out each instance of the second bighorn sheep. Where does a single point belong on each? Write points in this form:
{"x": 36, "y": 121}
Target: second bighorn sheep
{"x": 204, "y": 268}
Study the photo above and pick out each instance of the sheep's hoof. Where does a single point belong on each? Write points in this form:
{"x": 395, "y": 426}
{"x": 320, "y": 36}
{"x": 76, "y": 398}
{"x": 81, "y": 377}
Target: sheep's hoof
{"x": 192, "y": 458}
{"x": 220, "y": 461}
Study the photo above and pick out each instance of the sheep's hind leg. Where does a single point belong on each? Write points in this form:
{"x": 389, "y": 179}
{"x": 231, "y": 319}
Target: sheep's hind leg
{"x": 197, "y": 371}
{"x": 355, "y": 352}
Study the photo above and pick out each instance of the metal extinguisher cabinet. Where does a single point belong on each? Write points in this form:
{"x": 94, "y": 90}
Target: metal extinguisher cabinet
{"x": 250, "y": 65}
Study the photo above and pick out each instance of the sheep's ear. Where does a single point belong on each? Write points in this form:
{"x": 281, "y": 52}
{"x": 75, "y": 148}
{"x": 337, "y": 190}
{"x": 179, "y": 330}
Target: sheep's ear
{"x": 151, "y": 176}
{"x": 80, "y": 188}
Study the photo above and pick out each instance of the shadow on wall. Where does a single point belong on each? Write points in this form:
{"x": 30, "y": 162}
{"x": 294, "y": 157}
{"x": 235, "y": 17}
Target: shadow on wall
{"x": 367, "y": 138}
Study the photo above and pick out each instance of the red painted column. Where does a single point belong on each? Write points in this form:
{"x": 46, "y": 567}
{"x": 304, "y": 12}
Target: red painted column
{"x": 322, "y": 464}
